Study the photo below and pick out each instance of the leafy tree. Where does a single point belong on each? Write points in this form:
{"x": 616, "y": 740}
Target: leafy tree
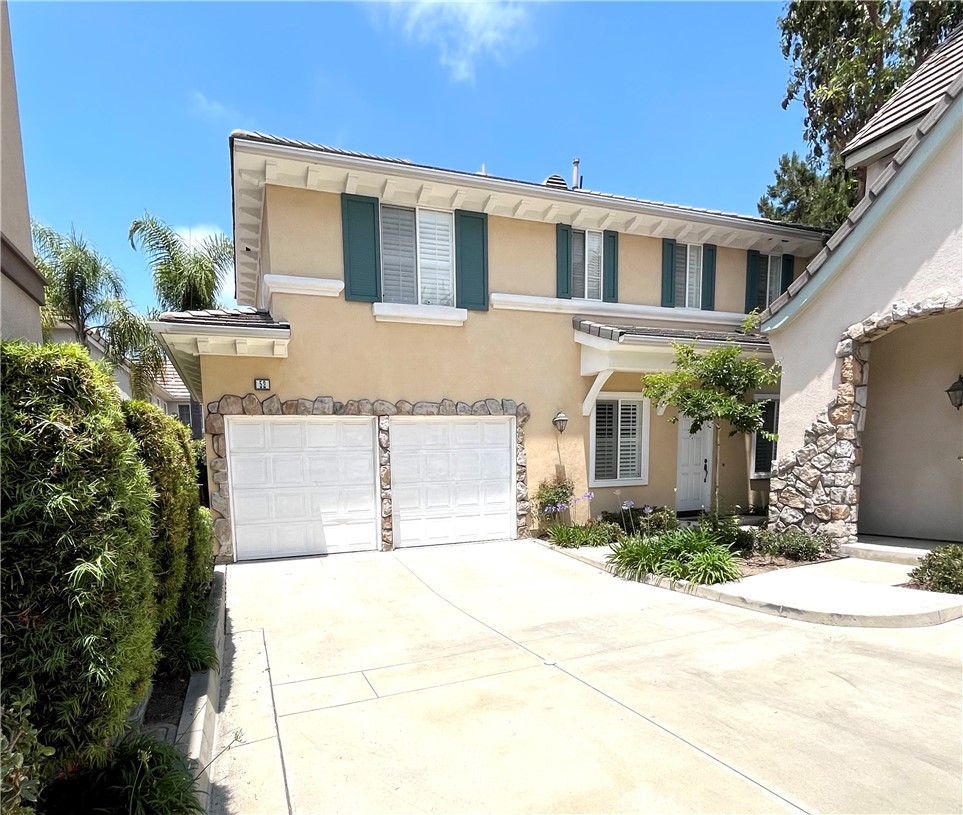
{"x": 847, "y": 59}
{"x": 803, "y": 195}
{"x": 86, "y": 293}
{"x": 714, "y": 388}
{"x": 185, "y": 277}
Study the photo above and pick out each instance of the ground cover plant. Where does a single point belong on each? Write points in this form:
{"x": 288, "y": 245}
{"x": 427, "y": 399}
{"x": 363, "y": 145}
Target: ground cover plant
{"x": 792, "y": 544}
{"x": 940, "y": 570}
{"x": 597, "y": 533}
{"x": 78, "y": 611}
{"x": 691, "y": 554}
{"x": 643, "y": 520}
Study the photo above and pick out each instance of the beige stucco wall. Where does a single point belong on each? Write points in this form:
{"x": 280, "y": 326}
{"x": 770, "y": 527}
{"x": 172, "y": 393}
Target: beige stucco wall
{"x": 304, "y": 233}
{"x": 19, "y": 312}
{"x": 915, "y": 250}
{"x": 338, "y": 349}
{"x": 521, "y": 256}
{"x": 912, "y": 477}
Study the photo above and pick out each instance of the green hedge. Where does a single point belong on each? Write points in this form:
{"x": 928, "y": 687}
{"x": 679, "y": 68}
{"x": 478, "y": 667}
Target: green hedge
{"x": 78, "y": 612}
{"x": 164, "y": 445}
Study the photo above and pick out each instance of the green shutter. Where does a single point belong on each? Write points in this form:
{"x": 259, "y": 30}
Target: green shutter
{"x": 563, "y": 261}
{"x": 752, "y": 280}
{"x": 787, "y": 264}
{"x": 610, "y": 267}
{"x": 471, "y": 260}
{"x": 668, "y": 273}
{"x": 362, "y": 248}
{"x": 708, "y": 277}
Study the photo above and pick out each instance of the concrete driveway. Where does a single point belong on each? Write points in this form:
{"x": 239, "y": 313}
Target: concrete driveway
{"x": 506, "y": 677}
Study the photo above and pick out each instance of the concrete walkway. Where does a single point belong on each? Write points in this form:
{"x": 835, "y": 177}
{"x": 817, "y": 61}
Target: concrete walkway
{"x": 846, "y": 592}
{"x": 507, "y": 678}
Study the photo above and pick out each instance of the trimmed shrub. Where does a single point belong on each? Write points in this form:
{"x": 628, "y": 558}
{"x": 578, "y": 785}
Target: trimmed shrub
{"x": 644, "y": 520}
{"x": 683, "y": 554}
{"x": 792, "y": 544}
{"x": 185, "y": 643}
{"x": 593, "y": 534}
{"x": 142, "y": 776}
{"x": 78, "y": 621}
{"x": 164, "y": 445}
{"x": 941, "y": 570}
{"x": 553, "y": 496}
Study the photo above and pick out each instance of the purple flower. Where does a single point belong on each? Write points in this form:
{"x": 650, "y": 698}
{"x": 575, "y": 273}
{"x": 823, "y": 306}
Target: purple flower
{"x": 628, "y": 504}
{"x": 588, "y": 496}
{"x": 561, "y": 506}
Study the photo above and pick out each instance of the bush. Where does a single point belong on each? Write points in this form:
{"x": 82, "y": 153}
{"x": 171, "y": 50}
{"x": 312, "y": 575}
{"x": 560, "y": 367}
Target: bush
{"x": 644, "y": 520}
{"x": 593, "y": 534}
{"x": 792, "y": 544}
{"x": 941, "y": 570}
{"x": 164, "y": 445}
{"x": 22, "y": 757}
{"x": 143, "y": 776}
{"x": 553, "y": 496}
{"x": 725, "y": 529}
{"x": 683, "y": 554}
{"x": 78, "y": 617}
{"x": 185, "y": 643}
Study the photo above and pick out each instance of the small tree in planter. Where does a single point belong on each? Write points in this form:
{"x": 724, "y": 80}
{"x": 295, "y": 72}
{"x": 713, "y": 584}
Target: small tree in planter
{"x": 554, "y": 496}
{"x": 713, "y": 387}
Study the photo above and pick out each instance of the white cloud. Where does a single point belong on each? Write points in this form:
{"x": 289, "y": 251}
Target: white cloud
{"x": 194, "y": 236}
{"x": 213, "y": 110}
{"x": 465, "y": 32}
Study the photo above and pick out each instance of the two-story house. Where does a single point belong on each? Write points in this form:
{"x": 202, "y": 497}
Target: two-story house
{"x": 411, "y": 336}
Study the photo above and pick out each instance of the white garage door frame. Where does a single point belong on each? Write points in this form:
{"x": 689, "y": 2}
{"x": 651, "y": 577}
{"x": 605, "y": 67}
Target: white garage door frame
{"x": 510, "y": 452}
{"x": 232, "y": 421}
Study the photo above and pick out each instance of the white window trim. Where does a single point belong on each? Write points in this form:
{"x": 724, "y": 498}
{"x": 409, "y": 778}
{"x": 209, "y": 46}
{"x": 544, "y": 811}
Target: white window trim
{"x": 454, "y": 255}
{"x": 702, "y": 261}
{"x": 763, "y": 397}
{"x": 643, "y": 479}
{"x": 423, "y": 315}
{"x": 571, "y": 272}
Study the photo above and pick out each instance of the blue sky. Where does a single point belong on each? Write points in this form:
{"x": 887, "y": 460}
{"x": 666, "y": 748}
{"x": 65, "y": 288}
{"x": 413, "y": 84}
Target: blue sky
{"x": 127, "y": 107}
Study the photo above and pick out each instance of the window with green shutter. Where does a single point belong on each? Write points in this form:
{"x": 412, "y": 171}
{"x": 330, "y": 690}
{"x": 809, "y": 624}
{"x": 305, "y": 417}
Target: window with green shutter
{"x": 688, "y": 275}
{"x": 362, "y": 248}
{"x": 767, "y": 276}
{"x": 587, "y": 264}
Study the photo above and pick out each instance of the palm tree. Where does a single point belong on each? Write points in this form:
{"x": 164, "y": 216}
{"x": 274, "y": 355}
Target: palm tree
{"x": 86, "y": 293}
{"x": 186, "y": 277}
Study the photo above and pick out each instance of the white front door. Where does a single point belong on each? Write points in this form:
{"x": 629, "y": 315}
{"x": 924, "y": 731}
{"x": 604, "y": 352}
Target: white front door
{"x": 452, "y": 479}
{"x": 694, "y": 480}
{"x": 302, "y": 485}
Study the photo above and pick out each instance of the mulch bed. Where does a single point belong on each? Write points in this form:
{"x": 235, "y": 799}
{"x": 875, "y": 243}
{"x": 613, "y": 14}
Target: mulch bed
{"x": 759, "y": 564}
{"x": 166, "y": 701}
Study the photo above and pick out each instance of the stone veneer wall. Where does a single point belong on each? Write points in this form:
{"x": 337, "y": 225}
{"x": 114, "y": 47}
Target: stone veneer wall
{"x": 816, "y": 488}
{"x": 251, "y": 405}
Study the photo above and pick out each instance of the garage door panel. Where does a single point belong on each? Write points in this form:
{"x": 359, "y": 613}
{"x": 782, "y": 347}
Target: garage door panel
{"x": 452, "y": 479}
{"x": 302, "y": 485}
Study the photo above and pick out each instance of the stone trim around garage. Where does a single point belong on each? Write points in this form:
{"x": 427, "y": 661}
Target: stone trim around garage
{"x": 817, "y": 487}
{"x": 251, "y": 405}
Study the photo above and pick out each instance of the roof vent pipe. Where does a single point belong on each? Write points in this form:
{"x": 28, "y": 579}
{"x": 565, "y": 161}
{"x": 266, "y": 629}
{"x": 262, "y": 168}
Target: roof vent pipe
{"x": 575, "y": 184}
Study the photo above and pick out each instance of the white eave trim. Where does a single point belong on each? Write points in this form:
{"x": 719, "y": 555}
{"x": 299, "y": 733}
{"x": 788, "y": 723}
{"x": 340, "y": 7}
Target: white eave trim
{"x": 420, "y": 315}
{"x": 882, "y": 146}
{"x": 272, "y": 284}
{"x": 597, "y": 308}
{"x": 221, "y": 331}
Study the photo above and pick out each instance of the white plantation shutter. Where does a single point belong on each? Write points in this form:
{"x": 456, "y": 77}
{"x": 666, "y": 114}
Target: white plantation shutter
{"x": 606, "y": 455}
{"x": 578, "y": 263}
{"x": 593, "y": 265}
{"x": 630, "y": 439}
{"x": 681, "y": 263}
{"x": 436, "y": 255}
{"x": 398, "y": 255}
{"x": 694, "y": 281}
{"x": 773, "y": 277}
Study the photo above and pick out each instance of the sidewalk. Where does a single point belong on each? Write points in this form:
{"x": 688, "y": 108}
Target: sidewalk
{"x": 846, "y": 592}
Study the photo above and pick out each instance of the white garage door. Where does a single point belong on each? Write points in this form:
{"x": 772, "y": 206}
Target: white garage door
{"x": 302, "y": 486}
{"x": 452, "y": 479}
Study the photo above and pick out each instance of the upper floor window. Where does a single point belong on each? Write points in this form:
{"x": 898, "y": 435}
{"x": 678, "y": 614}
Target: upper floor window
{"x": 770, "y": 279}
{"x": 767, "y": 276}
{"x": 586, "y": 264}
{"x": 688, "y": 275}
{"x": 417, "y": 256}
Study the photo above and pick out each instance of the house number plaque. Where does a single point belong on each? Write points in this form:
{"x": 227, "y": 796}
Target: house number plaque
{"x": 262, "y": 384}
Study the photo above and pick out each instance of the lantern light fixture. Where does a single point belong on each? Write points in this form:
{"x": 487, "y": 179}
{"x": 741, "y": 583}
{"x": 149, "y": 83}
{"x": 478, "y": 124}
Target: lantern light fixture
{"x": 560, "y": 421}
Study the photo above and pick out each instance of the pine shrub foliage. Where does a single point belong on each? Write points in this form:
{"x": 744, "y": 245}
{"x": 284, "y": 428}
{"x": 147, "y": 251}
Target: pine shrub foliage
{"x": 78, "y": 612}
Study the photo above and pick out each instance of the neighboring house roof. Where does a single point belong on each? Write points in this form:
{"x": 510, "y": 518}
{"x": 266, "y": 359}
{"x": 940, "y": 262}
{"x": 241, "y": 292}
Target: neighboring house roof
{"x": 265, "y": 138}
{"x": 622, "y": 333}
{"x": 914, "y": 98}
{"x": 241, "y": 317}
{"x": 949, "y": 99}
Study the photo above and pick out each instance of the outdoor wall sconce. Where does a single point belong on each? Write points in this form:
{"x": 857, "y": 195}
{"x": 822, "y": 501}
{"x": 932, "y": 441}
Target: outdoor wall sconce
{"x": 955, "y": 392}
{"x": 561, "y": 420}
